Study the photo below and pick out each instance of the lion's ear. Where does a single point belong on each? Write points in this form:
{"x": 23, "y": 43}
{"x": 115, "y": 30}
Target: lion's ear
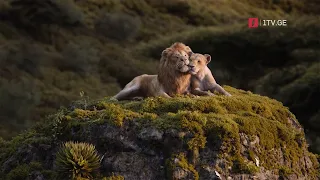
{"x": 208, "y": 57}
{"x": 166, "y": 52}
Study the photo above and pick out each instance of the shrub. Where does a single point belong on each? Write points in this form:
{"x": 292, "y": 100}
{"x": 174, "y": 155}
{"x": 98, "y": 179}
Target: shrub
{"x": 4, "y": 5}
{"x": 70, "y": 12}
{"x": 33, "y": 12}
{"x": 80, "y": 57}
{"x": 17, "y": 102}
{"x": 25, "y": 56}
{"x": 140, "y": 7}
{"x": 24, "y": 171}
{"x": 118, "y": 26}
{"x": 77, "y": 160}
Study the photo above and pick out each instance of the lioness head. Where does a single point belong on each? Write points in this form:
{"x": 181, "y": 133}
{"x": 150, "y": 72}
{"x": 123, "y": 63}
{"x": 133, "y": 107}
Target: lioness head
{"x": 198, "y": 62}
{"x": 177, "y": 56}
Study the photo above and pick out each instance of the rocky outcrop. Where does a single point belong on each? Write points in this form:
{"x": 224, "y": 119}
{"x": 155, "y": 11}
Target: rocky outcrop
{"x": 245, "y": 136}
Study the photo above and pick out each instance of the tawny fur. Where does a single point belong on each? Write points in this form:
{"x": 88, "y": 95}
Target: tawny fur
{"x": 173, "y": 68}
{"x": 202, "y": 79}
{"x": 142, "y": 86}
{"x": 173, "y": 81}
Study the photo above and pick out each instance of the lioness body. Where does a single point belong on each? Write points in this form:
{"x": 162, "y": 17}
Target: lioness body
{"x": 202, "y": 79}
{"x": 173, "y": 76}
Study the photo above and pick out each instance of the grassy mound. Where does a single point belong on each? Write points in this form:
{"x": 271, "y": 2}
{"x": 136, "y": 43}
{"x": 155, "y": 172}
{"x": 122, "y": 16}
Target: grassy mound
{"x": 242, "y": 128}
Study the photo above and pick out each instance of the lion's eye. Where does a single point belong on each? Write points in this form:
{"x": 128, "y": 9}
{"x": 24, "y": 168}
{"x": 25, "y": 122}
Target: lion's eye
{"x": 181, "y": 59}
{"x": 198, "y": 61}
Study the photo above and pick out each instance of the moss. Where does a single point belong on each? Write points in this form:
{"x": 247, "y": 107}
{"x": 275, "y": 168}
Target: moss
{"x": 82, "y": 114}
{"x": 284, "y": 172}
{"x": 241, "y": 166}
{"x": 23, "y": 171}
{"x": 115, "y": 114}
{"x": 199, "y": 121}
{"x": 113, "y": 177}
{"x": 225, "y": 118}
{"x": 251, "y": 155}
{"x": 180, "y": 161}
{"x": 28, "y": 138}
{"x": 315, "y": 158}
{"x": 20, "y": 172}
{"x": 68, "y": 117}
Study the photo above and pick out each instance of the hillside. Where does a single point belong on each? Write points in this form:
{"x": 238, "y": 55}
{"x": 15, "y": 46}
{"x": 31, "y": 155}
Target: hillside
{"x": 51, "y": 50}
{"x": 243, "y": 136}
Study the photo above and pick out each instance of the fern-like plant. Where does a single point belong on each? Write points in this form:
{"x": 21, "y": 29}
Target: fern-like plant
{"x": 77, "y": 160}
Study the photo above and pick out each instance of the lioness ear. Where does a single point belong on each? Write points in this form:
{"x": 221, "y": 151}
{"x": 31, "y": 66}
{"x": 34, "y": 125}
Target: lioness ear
{"x": 208, "y": 57}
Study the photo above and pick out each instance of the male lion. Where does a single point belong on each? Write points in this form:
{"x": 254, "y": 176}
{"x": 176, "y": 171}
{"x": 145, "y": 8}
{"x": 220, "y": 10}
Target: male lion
{"x": 174, "y": 74}
{"x": 173, "y": 78}
{"x": 202, "y": 79}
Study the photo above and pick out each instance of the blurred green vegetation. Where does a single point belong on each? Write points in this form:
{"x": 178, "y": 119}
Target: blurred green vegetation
{"x": 51, "y": 50}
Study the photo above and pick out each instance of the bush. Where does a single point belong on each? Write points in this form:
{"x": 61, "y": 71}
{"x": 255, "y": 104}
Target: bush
{"x": 118, "y": 26}
{"x": 77, "y": 160}
{"x": 18, "y": 98}
{"x": 37, "y": 12}
{"x": 4, "y": 5}
{"x": 26, "y": 56}
{"x": 81, "y": 57}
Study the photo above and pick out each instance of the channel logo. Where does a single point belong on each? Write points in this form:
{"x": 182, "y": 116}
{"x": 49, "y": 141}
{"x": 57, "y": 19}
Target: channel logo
{"x": 253, "y": 22}
{"x": 256, "y": 22}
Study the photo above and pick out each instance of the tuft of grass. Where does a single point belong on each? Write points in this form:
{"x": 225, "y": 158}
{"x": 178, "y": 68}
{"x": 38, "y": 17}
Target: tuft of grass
{"x": 77, "y": 160}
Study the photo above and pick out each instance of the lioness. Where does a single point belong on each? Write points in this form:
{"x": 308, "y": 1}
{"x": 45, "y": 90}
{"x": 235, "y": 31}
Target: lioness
{"x": 202, "y": 79}
{"x": 173, "y": 78}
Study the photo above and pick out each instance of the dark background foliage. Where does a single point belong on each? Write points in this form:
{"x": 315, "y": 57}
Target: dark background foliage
{"x": 51, "y": 50}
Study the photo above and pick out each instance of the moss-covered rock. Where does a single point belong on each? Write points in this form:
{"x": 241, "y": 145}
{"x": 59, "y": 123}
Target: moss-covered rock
{"x": 244, "y": 135}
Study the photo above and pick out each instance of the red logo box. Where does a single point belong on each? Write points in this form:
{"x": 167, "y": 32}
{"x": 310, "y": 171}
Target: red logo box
{"x": 253, "y": 22}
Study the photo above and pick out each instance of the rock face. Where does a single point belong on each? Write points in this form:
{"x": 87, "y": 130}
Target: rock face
{"x": 245, "y": 136}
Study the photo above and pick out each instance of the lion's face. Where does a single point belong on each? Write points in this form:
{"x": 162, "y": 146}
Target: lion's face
{"x": 178, "y": 58}
{"x": 198, "y": 62}
{"x": 181, "y": 61}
